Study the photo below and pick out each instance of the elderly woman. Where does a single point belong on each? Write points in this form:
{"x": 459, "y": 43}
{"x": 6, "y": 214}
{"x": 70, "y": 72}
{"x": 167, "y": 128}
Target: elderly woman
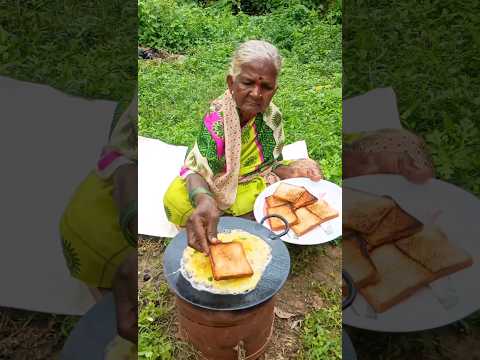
{"x": 238, "y": 151}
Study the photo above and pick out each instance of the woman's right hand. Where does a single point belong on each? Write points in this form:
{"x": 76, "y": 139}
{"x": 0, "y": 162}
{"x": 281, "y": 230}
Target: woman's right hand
{"x": 202, "y": 224}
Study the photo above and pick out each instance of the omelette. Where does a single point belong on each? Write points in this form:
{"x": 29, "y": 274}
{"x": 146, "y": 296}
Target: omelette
{"x": 196, "y": 267}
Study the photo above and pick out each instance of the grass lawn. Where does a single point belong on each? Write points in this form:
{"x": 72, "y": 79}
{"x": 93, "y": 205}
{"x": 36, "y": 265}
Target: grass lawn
{"x": 174, "y": 94}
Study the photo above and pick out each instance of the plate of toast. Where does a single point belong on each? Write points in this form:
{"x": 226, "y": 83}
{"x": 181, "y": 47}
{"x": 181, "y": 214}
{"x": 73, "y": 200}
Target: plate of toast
{"x": 313, "y": 210}
{"x": 412, "y": 252}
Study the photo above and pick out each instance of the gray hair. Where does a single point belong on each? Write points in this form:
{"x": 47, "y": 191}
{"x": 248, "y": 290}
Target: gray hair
{"x": 255, "y": 50}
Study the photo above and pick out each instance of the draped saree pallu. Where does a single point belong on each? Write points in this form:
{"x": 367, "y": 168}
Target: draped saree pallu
{"x": 236, "y": 161}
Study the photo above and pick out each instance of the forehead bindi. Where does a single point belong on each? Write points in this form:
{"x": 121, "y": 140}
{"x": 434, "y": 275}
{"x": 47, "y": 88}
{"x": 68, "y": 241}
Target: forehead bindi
{"x": 263, "y": 71}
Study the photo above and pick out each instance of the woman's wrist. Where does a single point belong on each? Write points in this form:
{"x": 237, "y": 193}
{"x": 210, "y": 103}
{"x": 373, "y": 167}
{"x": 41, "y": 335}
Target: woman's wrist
{"x": 202, "y": 198}
{"x": 199, "y": 194}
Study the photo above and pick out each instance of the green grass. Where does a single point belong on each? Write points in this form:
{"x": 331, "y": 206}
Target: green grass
{"x": 153, "y": 324}
{"x": 85, "y": 48}
{"x": 173, "y": 96}
{"x": 321, "y": 332}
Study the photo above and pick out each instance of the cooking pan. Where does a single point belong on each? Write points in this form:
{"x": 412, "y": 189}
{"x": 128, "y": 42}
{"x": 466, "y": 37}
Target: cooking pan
{"x": 271, "y": 282}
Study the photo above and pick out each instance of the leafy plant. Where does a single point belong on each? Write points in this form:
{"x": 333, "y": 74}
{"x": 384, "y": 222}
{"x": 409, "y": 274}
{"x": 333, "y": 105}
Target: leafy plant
{"x": 322, "y": 334}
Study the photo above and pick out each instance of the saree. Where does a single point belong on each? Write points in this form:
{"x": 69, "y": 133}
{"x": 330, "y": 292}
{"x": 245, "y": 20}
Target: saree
{"x": 94, "y": 241}
{"x": 236, "y": 173}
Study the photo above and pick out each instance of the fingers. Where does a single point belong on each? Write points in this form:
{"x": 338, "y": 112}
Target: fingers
{"x": 192, "y": 239}
{"x": 413, "y": 173}
{"x": 200, "y": 235}
{"x": 212, "y": 229}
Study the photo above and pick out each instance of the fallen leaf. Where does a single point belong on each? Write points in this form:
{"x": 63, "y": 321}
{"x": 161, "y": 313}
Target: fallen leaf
{"x": 295, "y": 324}
{"x": 283, "y": 314}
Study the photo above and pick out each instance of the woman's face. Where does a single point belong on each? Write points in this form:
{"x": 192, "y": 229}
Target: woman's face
{"x": 254, "y": 87}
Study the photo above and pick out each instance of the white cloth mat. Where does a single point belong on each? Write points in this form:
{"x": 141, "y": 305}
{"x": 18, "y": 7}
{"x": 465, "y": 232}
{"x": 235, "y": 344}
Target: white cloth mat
{"x": 159, "y": 163}
{"x": 376, "y": 109}
{"x": 55, "y": 140}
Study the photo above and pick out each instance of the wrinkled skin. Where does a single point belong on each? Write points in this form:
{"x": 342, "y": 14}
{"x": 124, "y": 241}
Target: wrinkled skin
{"x": 254, "y": 88}
{"x": 202, "y": 224}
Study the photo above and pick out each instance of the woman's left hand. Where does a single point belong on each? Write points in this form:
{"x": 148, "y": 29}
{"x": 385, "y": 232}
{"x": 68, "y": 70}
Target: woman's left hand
{"x": 301, "y": 168}
{"x": 125, "y": 296}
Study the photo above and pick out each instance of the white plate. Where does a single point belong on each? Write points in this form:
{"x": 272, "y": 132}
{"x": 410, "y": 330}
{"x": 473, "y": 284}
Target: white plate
{"x": 328, "y": 231}
{"x": 459, "y": 220}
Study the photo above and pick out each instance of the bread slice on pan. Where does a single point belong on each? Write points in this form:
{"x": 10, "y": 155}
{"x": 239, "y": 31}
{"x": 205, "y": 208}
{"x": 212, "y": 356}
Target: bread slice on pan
{"x": 229, "y": 261}
{"x": 363, "y": 211}
{"x": 399, "y": 278}
{"x": 357, "y": 263}
{"x": 431, "y": 248}
{"x": 285, "y": 211}
{"x": 306, "y": 221}
{"x": 288, "y": 192}
{"x": 323, "y": 210}
{"x": 272, "y": 201}
{"x": 304, "y": 200}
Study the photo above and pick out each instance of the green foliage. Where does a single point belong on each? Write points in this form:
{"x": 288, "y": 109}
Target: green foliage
{"x": 321, "y": 331}
{"x": 70, "y": 45}
{"x": 175, "y": 95}
{"x": 262, "y": 7}
{"x": 152, "y": 325}
{"x": 322, "y": 334}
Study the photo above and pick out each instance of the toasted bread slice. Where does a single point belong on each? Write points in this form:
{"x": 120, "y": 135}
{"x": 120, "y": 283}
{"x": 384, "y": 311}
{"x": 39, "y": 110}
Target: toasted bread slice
{"x": 229, "y": 261}
{"x": 284, "y": 211}
{"x": 431, "y": 248}
{"x": 395, "y": 225}
{"x": 323, "y": 210}
{"x": 304, "y": 200}
{"x": 272, "y": 201}
{"x": 306, "y": 221}
{"x": 357, "y": 263}
{"x": 362, "y": 211}
{"x": 288, "y": 192}
{"x": 399, "y": 278}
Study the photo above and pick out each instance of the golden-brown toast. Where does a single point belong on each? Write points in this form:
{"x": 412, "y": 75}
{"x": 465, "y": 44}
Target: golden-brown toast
{"x": 323, "y": 210}
{"x": 288, "y": 192}
{"x": 431, "y": 248}
{"x": 284, "y": 211}
{"x": 229, "y": 261}
{"x": 395, "y": 225}
{"x": 357, "y": 263}
{"x": 362, "y": 211}
{"x": 306, "y": 221}
{"x": 399, "y": 277}
{"x": 304, "y": 200}
{"x": 272, "y": 201}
